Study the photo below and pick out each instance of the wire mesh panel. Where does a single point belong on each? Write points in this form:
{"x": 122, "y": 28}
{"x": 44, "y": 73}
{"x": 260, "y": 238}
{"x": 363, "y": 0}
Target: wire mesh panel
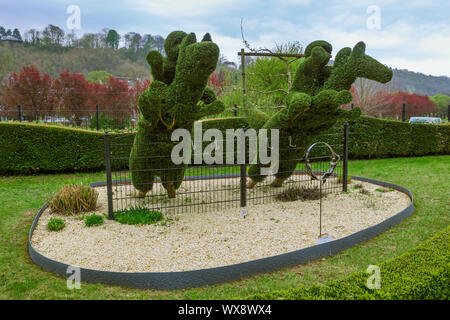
{"x": 265, "y": 191}
{"x": 153, "y": 181}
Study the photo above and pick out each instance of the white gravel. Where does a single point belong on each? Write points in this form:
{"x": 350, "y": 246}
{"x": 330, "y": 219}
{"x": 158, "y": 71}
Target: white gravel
{"x": 190, "y": 240}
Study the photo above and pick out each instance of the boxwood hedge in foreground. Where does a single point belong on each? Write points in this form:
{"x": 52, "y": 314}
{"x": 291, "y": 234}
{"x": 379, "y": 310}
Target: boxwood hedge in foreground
{"x": 29, "y": 148}
{"x": 421, "y": 273}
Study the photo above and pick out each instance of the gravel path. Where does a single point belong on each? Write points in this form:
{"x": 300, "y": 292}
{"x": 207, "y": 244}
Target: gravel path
{"x": 190, "y": 241}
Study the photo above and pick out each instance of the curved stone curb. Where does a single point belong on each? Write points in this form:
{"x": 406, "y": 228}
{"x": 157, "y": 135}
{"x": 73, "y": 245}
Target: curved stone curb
{"x": 210, "y": 276}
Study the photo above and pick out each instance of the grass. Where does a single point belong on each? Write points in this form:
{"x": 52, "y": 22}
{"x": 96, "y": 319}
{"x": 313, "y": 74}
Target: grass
{"x": 55, "y": 224}
{"x": 93, "y": 220}
{"x": 137, "y": 216}
{"x": 427, "y": 177}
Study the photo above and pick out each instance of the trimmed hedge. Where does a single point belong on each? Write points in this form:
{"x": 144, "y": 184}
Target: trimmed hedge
{"x": 31, "y": 148}
{"x": 419, "y": 274}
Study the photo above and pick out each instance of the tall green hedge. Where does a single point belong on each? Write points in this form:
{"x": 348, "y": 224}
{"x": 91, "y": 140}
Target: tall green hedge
{"x": 419, "y": 274}
{"x": 29, "y": 148}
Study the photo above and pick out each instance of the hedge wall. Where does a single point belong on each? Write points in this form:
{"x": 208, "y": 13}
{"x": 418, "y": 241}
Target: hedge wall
{"x": 28, "y": 148}
{"x": 421, "y": 273}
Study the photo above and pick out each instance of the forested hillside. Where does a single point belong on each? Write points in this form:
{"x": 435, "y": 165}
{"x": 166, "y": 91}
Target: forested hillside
{"x": 414, "y": 82}
{"x": 80, "y": 60}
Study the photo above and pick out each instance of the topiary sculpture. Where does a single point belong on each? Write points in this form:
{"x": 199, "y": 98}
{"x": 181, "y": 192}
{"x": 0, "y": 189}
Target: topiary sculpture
{"x": 312, "y": 105}
{"x": 176, "y": 98}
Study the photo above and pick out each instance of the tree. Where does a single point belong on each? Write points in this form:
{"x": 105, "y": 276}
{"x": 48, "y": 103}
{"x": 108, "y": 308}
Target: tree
{"x": 32, "y": 90}
{"x": 391, "y": 104}
{"x": 74, "y": 94}
{"x": 2, "y": 31}
{"x": 16, "y": 34}
{"x": 32, "y": 37}
{"x": 54, "y": 34}
{"x": 116, "y": 100}
{"x": 100, "y": 76}
{"x": 159, "y": 43}
{"x": 112, "y": 39}
{"x": 6, "y": 62}
{"x": 139, "y": 87}
{"x": 441, "y": 101}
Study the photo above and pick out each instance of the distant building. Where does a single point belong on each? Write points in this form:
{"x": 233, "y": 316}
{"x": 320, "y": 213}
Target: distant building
{"x": 10, "y": 39}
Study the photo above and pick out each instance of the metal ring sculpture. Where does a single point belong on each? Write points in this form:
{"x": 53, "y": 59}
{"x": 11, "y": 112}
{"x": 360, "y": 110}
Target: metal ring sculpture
{"x": 334, "y": 162}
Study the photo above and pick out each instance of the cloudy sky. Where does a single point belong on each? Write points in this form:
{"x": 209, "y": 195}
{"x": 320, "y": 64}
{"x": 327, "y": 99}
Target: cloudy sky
{"x": 411, "y": 34}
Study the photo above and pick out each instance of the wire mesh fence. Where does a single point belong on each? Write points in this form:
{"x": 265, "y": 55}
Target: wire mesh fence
{"x": 88, "y": 117}
{"x": 153, "y": 181}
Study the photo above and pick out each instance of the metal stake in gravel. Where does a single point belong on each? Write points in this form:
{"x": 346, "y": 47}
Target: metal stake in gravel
{"x": 323, "y": 178}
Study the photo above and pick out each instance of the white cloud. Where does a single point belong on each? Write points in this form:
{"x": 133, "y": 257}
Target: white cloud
{"x": 179, "y": 8}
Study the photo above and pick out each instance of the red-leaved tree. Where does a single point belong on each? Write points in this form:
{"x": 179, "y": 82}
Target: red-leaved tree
{"x": 138, "y": 88}
{"x": 74, "y": 93}
{"x": 30, "y": 89}
{"x": 116, "y": 100}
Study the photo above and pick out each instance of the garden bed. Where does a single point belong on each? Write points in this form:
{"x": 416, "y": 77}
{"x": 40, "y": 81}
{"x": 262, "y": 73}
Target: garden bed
{"x": 198, "y": 240}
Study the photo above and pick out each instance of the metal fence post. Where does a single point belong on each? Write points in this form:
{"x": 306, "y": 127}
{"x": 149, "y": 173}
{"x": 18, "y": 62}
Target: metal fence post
{"x": 404, "y": 112}
{"x": 20, "y": 113}
{"x": 345, "y": 169}
{"x": 108, "y": 176}
{"x": 235, "y": 110}
{"x": 448, "y": 112}
{"x": 96, "y": 115}
{"x": 352, "y": 106}
{"x": 243, "y": 170}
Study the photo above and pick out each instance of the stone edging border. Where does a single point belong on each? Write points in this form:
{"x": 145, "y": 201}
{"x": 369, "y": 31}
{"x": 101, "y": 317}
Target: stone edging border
{"x": 211, "y": 276}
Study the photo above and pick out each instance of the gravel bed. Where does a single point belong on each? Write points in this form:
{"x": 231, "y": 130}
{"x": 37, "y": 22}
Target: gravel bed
{"x": 196, "y": 240}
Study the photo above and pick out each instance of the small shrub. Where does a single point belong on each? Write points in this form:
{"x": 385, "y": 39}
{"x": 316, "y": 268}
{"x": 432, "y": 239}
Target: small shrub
{"x": 364, "y": 191}
{"x": 72, "y": 199}
{"x": 55, "y": 224}
{"x": 358, "y": 186}
{"x": 94, "y": 220}
{"x": 300, "y": 193}
{"x": 138, "y": 216}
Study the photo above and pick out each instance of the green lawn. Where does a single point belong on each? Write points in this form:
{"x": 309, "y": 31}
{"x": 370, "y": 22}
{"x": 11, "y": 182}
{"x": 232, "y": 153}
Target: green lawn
{"x": 427, "y": 177}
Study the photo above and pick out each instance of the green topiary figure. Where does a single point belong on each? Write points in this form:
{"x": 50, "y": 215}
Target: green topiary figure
{"x": 313, "y": 103}
{"x": 175, "y": 99}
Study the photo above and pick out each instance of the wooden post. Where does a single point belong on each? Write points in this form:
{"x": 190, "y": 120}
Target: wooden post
{"x": 244, "y": 93}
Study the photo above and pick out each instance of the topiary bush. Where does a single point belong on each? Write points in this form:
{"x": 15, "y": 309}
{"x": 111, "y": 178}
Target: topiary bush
{"x": 175, "y": 99}
{"x": 138, "y": 216}
{"x": 312, "y": 106}
{"x": 55, "y": 224}
{"x": 73, "y": 199}
{"x": 419, "y": 274}
{"x": 93, "y": 220}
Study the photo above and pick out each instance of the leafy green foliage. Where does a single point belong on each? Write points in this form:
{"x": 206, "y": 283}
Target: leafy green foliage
{"x": 93, "y": 220}
{"x": 55, "y": 224}
{"x": 312, "y": 105}
{"x": 420, "y": 274}
{"x": 29, "y": 148}
{"x": 441, "y": 101}
{"x": 98, "y": 76}
{"x": 138, "y": 216}
{"x": 73, "y": 199}
{"x": 178, "y": 97}
{"x": 34, "y": 148}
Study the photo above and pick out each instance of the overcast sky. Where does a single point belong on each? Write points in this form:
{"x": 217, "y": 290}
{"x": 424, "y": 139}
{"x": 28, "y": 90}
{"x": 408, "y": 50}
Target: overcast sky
{"x": 411, "y": 34}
